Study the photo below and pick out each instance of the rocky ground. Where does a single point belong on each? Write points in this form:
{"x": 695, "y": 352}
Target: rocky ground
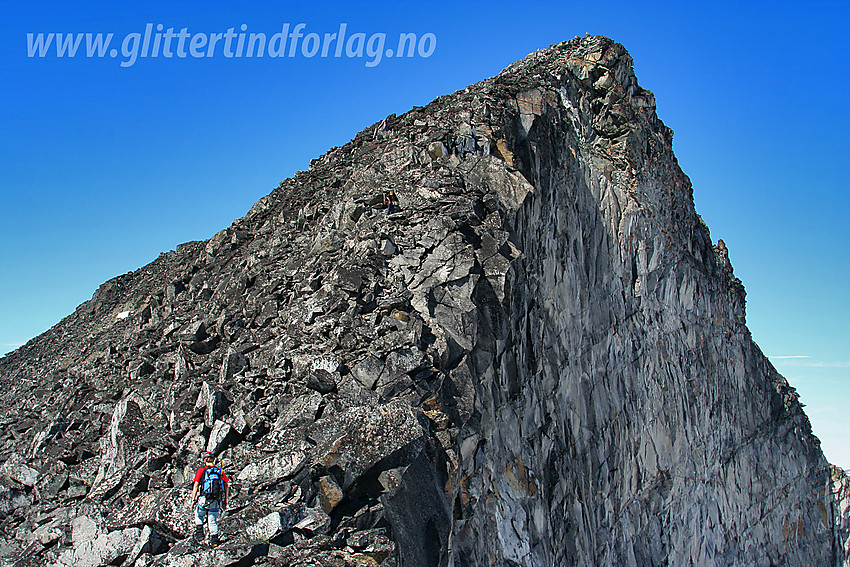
{"x": 540, "y": 360}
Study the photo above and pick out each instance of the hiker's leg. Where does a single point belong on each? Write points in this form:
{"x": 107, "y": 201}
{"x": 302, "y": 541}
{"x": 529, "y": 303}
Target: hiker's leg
{"x": 212, "y": 519}
{"x": 199, "y": 524}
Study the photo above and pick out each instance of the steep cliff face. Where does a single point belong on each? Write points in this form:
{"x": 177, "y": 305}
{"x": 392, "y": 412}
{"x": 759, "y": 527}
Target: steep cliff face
{"x": 540, "y": 360}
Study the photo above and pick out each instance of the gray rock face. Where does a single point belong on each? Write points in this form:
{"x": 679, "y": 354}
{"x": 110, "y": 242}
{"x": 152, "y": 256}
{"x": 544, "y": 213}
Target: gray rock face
{"x": 541, "y": 359}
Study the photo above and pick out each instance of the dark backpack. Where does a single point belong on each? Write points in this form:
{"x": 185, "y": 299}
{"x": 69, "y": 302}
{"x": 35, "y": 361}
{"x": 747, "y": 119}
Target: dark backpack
{"x": 211, "y": 483}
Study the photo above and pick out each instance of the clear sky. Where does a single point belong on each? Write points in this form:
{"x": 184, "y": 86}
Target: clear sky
{"x": 107, "y": 161}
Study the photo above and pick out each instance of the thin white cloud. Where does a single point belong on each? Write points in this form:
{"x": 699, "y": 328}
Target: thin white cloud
{"x": 817, "y": 364}
{"x": 7, "y": 348}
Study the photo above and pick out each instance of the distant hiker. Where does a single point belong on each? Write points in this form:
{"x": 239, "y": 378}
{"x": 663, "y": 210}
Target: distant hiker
{"x": 391, "y": 201}
{"x": 209, "y": 497}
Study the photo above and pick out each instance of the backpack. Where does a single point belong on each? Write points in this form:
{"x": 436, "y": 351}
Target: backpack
{"x": 211, "y": 484}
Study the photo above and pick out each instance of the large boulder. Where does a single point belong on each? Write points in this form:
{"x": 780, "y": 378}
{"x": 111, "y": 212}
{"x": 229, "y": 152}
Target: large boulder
{"x": 358, "y": 438}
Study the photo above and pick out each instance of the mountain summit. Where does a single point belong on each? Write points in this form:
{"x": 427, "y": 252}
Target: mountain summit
{"x": 537, "y": 359}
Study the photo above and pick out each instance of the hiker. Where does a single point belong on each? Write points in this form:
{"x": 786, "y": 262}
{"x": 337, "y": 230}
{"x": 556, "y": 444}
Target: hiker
{"x": 391, "y": 201}
{"x": 209, "y": 497}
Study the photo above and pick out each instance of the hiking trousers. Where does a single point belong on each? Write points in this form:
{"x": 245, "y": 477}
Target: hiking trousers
{"x": 209, "y": 513}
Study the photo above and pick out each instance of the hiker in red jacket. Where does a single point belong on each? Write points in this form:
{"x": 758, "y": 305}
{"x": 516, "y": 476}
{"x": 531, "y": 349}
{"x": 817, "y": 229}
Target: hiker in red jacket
{"x": 209, "y": 497}
{"x": 391, "y": 202}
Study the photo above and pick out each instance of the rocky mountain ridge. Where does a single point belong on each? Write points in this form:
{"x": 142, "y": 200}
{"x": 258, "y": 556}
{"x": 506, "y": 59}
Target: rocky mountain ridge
{"x": 542, "y": 359}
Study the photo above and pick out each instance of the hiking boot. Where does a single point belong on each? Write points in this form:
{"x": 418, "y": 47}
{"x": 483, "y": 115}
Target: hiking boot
{"x": 213, "y": 540}
{"x": 199, "y": 534}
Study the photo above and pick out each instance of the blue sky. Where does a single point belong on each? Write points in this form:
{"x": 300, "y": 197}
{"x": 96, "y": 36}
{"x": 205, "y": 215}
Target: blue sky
{"x": 103, "y": 166}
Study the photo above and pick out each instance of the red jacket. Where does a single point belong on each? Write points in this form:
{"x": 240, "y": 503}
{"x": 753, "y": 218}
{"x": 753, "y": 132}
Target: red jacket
{"x": 200, "y": 474}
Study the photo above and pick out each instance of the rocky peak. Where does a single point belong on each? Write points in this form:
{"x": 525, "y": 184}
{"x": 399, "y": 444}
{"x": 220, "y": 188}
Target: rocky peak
{"x": 539, "y": 359}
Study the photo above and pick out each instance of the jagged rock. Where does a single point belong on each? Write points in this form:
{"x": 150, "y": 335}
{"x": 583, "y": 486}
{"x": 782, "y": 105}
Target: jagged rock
{"x": 314, "y": 522}
{"x": 168, "y": 509}
{"x": 272, "y": 469}
{"x": 397, "y": 368}
{"x": 53, "y": 478}
{"x": 51, "y": 530}
{"x": 350, "y": 392}
{"x": 219, "y": 435}
{"x": 259, "y": 512}
{"x": 186, "y": 554}
{"x": 231, "y": 364}
{"x": 192, "y": 444}
{"x": 147, "y": 543}
{"x": 131, "y": 427}
{"x": 194, "y": 332}
{"x": 206, "y": 346}
{"x": 213, "y": 402}
{"x": 12, "y": 499}
{"x": 314, "y": 552}
{"x": 330, "y": 494}
{"x": 388, "y": 247}
{"x": 15, "y": 469}
{"x": 94, "y": 545}
{"x": 368, "y": 371}
{"x": 322, "y": 381}
{"x": 542, "y": 359}
{"x": 237, "y": 420}
{"x": 419, "y": 512}
{"x": 299, "y": 411}
{"x": 268, "y": 527}
{"x": 76, "y": 491}
{"x": 371, "y": 545}
{"x": 357, "y": 438}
